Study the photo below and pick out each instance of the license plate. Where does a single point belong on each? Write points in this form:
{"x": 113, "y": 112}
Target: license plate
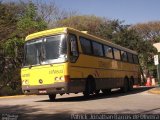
{"x": 42, "y": 91}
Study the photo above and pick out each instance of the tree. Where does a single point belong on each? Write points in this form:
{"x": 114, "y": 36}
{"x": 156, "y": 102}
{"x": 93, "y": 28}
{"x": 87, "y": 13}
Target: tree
{"x": 50, "y": 13}
{"x": 131, "y": 39}
{"x": 30, "y": 22}
{"x": 21, "y": 23}
{"x": 148, "y": 31}
{"x": 98, "y": 26}
{"x": 9, "y": 14}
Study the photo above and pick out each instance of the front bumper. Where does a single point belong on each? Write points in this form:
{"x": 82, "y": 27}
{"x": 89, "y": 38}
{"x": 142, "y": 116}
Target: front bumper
{"x": 56, "y": 88}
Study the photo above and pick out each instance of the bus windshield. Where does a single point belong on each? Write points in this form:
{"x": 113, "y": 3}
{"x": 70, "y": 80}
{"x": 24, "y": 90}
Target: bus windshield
{"x": 45, "y": 50}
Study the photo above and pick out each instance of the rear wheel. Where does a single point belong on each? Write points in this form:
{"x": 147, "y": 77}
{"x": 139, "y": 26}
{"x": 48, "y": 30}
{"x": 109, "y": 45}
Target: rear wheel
{"x": 97, "y": 92}
{"x": 106, "y": 91}
{"x": 131, "y": 83}
{"x": 52, "y": 97}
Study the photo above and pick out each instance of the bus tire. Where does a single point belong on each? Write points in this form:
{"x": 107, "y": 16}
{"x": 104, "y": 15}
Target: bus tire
{"x": 125, "y": 85}
{"x": 52, "y": 97}
{"x": 131, "y": 82}
{"x": 106, "y": 91}
{"x": 97, "y": 92}
{"x": 90, "y": 86}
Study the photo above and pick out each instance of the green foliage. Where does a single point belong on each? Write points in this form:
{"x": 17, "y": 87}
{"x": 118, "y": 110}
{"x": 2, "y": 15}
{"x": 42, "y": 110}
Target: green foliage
{"x": 148, "y": 31}
{"x": 9, "y": 13}
{"x": 86, "y": 23}
{"x": 30, "y": 22}
{"x": 16, "y": 21}
{"x": 13, "y": 47}
{"x": 98, "y": 26}
{"x": 131, "y": 39}
{"x": 7, "y": 90}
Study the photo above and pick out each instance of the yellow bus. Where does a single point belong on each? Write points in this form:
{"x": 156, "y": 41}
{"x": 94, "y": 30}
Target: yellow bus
{"x": 66, "y": 60}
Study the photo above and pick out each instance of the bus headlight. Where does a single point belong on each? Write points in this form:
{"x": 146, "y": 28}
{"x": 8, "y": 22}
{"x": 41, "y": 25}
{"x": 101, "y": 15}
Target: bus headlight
{"x": 56, "y": 78}
{"x": 25, "y": 82}
{"x": 59, "y": 78}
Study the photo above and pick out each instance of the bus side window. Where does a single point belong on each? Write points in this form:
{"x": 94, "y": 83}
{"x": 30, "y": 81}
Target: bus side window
{"x": 117, "y": 55}
{"x": 108, "y": 51}
{"x": 130, "y": 57}
{"x": 124, "y": 56}
{"x": 135, "y": 59}
{"x": 73, "y": 47}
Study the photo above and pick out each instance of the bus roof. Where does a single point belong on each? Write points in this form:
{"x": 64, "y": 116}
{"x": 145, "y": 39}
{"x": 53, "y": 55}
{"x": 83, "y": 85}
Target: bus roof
{"x": 68, "y": 29}
{"x": 46, "y": 33}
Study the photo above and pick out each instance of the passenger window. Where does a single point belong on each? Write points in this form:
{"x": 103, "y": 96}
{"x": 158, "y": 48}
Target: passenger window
{"x": 117, "y": 55}
{"x": 108, "y": 51}
{"x": 86, "y": 45}
{"x": 135, "y": 58}
{"x": 73, "y": 47}
{"x": 130, "y": 58}
{"x": 97, "y": 49}
{"x": 124, "y": 56}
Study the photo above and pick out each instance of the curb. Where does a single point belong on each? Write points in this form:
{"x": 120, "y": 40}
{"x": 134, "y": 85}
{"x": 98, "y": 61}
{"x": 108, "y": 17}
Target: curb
{"x": 15, "y": 96}
{"x": 154, "y": 91}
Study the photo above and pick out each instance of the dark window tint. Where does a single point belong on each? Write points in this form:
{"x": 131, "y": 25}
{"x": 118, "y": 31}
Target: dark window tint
{"x": 33, "y": 52}
{"x": 97, "y": 49}
{"x": 108, "y": 52}
{"x": 46, "y": 50}
{"x": 130, "y": 58}
{"x": 135, "y": 58}
{"x": 54, "y": 47}
{"x": 86, "y": 45}
{"x": 124, "y": 55}
{"x": 73, "y": 45}
{"x": 117, "y": 55}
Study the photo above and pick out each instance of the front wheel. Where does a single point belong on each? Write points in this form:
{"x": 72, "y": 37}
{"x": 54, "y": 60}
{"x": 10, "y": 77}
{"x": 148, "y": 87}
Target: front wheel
{"x": 106, "y": 91}
{"x": 52, "y": 97}
{"x": 125, "y": 85}
{"x": 90, "y": 87}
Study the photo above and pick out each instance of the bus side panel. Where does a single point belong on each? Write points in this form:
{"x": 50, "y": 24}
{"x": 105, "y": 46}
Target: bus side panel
{"x": 77, "y": 81}
{"x": 107, "y": 73}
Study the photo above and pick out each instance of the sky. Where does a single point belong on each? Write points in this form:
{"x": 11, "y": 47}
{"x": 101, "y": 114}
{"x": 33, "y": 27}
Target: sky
{"x": 130, "y": 11}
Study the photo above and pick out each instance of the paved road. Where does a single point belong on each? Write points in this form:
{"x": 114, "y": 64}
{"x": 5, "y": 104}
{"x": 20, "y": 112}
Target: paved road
{"x": 66, "y": 106}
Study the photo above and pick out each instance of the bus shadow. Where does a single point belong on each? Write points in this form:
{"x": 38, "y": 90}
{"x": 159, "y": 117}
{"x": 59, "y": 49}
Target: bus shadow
{"x": 115, "y": 93}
